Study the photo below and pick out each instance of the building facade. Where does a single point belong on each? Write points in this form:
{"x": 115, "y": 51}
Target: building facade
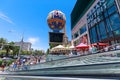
{"x": 25, "y": 46}
{"x": 95, "y": 21}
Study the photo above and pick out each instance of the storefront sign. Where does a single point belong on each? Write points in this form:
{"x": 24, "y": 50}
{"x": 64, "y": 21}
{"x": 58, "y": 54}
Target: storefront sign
{"x": 93, "y": 16}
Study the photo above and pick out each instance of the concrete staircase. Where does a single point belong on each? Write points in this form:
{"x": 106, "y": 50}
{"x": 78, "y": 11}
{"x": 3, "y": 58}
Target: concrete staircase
{"x": 99, "y": 58}
{"x": 100, "y": 64}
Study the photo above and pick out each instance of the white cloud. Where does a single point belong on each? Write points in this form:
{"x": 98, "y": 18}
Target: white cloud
{"x": 33, "y": 40}
{"x": 6, "y": 18}
{"x": 37, "y": 44}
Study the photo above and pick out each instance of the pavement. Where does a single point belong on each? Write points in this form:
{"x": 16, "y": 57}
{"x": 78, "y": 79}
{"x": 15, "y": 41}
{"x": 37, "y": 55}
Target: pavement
{"x": 2, "y": 77}
{"x": 1, "y": 72}
{"x": 13, "y": 77}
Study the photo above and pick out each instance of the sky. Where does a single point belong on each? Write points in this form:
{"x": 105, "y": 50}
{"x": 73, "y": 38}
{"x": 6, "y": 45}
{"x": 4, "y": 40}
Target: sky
{"x": 28, "y": 19}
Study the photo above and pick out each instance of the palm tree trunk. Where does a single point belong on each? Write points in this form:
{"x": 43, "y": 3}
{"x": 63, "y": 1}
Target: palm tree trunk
{"x": 7, "y": 52}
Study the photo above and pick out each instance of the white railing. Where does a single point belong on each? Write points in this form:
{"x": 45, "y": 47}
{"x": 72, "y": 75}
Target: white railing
{"x": 98, "y": 58}
{"x": 83, "y": 60}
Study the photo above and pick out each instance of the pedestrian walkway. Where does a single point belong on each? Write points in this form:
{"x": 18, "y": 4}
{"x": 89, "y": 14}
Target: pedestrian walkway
{"x": 2, "y": 78}
{"x": 1, "y": 72}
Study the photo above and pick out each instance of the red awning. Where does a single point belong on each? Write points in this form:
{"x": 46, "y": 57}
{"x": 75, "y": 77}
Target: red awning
{"x": 100, "y": 44}
{"x": 81, "y": 45}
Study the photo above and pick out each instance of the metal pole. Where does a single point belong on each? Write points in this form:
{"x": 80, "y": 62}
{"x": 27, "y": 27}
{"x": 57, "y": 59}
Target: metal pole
{"x": 19, "y": 50}
{"x": 21, "y": 44}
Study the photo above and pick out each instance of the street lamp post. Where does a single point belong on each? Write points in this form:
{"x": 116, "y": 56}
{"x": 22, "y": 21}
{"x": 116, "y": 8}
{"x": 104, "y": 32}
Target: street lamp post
{"x": 21, "y": 42}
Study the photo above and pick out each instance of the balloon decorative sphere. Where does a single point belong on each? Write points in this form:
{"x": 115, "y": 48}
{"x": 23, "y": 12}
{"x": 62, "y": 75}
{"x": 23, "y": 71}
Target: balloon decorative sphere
{"x": 56, "y": 20}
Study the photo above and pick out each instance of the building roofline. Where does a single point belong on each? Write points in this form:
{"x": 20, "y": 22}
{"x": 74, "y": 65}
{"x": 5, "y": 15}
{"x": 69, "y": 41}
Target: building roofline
{"x": 82, "y": 13}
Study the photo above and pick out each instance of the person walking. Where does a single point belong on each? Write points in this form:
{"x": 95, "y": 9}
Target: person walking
{"x": 14, "y": 66}
{"x": 3, "y": 66}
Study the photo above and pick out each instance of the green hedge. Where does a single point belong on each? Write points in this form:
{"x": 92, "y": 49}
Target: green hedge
{"x": 1, "y": 62}
{"x": 7, "y": 62}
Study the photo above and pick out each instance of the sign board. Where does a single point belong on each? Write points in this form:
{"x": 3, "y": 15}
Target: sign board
{"x": 56, "y": 37}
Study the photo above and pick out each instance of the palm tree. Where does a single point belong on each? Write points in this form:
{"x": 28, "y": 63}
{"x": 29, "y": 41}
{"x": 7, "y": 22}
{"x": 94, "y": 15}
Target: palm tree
{"x": 2, "y": 42}
{"x": 16, "y": 50}
{"x": 47, "y": 52}
{"x": 9, "y": 46}
{"x": 38, "y": 52}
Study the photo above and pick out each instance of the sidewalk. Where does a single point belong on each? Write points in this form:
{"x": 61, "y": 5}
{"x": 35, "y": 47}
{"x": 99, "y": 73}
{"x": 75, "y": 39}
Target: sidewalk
{"x": 1, "y": 72}
{"x": 2, "y": 78}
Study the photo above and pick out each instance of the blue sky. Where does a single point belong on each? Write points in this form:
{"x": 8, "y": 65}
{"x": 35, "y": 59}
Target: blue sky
{"x": 29, "y": 18}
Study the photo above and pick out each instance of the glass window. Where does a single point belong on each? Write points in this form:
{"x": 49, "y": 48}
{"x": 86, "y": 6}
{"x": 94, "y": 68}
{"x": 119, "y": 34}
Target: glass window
{"x": 109, "y": 31}
{"x": 115, "y": 21}
{"x": 93, "y": 35}
{"x": 101, "y": 17}
{"x": 102, "y": 30}
{"x": 110, "y": 34}
{"x": 108, "y": 25}
{"x": 112, "y": 9}
{"x": 90, "y": 34}
{"x": 83, "y": 29}
{"x": 76, "y": 35}
{"x": 106, "y": 14}
{"x": 109, "y": 2}
{"x": 98, "y": 32}
{"x": 117, "y": 32}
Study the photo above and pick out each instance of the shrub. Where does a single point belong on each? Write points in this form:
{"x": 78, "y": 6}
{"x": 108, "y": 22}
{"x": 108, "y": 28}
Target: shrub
{"x": 8, "y": 62}
{"x": 1, "y": 62}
